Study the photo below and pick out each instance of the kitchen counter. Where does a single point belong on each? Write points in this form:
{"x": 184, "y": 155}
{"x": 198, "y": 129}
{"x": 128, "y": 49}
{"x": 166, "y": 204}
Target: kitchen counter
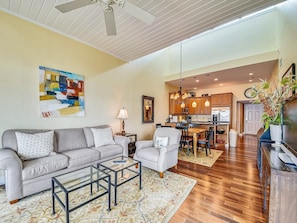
{"x": 209, "y": 123}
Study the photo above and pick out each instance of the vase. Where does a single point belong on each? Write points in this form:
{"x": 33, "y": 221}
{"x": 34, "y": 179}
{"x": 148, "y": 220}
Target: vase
{"x": 276, "y": 134}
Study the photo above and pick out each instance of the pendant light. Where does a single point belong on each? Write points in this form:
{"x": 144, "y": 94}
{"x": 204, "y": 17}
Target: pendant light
{"x": 194, "y": 104}
{"x": 180, "y": 92}
{"x": 207, "y": 103}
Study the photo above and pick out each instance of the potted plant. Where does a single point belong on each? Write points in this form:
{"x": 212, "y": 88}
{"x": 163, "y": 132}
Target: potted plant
{"x": 273, "y": 98}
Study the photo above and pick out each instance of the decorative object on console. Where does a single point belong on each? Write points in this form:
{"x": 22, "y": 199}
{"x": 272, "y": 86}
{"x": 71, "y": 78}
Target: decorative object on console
{"x": 123, "y": 114}
{"x": 273, "y": 100}
{"x": 276, "y": 134}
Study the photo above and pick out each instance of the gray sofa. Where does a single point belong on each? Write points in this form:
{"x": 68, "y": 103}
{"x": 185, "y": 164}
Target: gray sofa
{"x": 74, "y": 148}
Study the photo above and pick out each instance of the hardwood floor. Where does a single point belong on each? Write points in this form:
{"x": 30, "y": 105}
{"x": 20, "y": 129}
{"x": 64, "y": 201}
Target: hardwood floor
{"x": 229, "y": 191}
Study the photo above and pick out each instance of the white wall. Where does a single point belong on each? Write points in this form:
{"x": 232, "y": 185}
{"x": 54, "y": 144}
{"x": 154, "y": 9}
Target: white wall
{"x": 237, "y": 44}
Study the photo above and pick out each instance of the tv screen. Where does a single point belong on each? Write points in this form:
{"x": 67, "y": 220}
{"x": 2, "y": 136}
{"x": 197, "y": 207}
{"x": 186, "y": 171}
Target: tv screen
{"x": 290, "y": 124}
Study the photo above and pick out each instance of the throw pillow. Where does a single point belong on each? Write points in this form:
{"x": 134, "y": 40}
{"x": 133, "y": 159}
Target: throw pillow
{"x": 102, "y": 137}
{"x": 161, "y": 142}
{"x": 32, "y": 146}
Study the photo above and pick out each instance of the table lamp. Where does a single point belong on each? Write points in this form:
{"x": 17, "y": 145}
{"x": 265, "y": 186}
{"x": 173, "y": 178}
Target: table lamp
{"x": 123, "y": 114}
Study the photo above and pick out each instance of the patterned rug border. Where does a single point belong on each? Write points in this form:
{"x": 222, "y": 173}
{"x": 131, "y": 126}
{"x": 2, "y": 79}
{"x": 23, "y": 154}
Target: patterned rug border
{"x": 158, "y": 201}
{"x": 201, "y": 158}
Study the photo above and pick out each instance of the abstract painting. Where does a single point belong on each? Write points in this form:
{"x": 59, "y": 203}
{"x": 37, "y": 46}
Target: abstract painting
{"x": 61, "y": 93}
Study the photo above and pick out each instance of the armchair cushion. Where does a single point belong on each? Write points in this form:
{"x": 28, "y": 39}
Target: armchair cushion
{"x": 161, "y": 142}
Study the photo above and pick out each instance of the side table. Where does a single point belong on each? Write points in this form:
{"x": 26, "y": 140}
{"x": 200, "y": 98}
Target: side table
{"x": 131, "y": 145}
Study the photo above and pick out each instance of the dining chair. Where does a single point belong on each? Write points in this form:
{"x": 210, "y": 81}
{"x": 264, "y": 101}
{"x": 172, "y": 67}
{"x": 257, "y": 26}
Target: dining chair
{"x": 185, "y": 139}
{"x": 205, "y": 142}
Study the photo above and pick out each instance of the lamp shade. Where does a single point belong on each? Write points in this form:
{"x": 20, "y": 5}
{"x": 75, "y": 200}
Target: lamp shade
{"x": 123, "y": 114}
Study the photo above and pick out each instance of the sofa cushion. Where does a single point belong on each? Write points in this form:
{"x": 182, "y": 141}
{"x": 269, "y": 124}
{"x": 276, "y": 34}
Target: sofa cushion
{"x": 103, "y": 137}
{"x": 89, "y": 134}
{"x": 69, "y": 139}
{"x": 109, "y": 151}
{"x": 79, "y": 157}
{"x": 32, "y": 146}
{"x": 42, "y": 166}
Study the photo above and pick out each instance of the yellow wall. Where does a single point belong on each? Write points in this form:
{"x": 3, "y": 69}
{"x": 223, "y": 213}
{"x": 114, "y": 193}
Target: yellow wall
{"x": 109, "y": 82}
{"x": 25, "y": 46}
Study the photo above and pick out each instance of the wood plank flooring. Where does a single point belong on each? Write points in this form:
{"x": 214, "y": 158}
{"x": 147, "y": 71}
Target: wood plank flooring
{"x": 229, "y": 191}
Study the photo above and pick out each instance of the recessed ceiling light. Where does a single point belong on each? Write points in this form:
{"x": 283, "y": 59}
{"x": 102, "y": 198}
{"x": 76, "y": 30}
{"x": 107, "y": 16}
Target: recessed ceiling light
{"x": 250, "y": 80}
{"x": 221, "y": 84}
{"x": 197, "y": 80}
{"x": 216, "y": 79}
{"x": 195, "y": 88}
{"x": 251, "y": 74}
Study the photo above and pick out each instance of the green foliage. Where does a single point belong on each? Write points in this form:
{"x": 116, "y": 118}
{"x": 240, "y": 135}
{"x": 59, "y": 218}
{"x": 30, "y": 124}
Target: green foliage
{"x": 273, "y": 99}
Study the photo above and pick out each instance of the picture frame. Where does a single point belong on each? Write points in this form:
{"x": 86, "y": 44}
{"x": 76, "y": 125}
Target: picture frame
{"x": 291, "y": 74}
{"x": 147, "y": 109}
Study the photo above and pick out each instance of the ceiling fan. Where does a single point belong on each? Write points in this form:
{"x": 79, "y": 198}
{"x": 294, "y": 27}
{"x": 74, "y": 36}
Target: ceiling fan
{"x": 128, "y": 7}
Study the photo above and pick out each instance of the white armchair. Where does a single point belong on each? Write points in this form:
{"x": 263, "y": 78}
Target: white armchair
{"x": 161, "y": 153}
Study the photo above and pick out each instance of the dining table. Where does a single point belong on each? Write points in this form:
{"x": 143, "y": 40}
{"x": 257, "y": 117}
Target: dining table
{"x": 196, "y": 132}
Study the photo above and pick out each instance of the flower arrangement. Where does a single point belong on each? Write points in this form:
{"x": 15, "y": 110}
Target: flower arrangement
{"x": 273, "y": 98}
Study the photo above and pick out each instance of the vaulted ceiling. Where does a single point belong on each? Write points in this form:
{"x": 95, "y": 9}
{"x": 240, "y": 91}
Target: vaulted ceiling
{"x": 175, "y": 20}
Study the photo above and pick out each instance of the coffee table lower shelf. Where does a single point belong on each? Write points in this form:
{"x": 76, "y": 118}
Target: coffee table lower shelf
{"x": 121, "y": 170}
{"x": 63, "y": 185}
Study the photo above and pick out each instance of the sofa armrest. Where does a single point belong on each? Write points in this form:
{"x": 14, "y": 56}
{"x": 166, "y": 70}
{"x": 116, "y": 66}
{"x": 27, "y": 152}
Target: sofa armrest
{"x": 144, "y": 144}
{"x": 12, "y": 164}
{"x": 123, "y": 141}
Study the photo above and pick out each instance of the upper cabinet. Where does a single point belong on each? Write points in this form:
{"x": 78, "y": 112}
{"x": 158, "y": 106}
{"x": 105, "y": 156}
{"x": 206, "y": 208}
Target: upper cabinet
{"x": 200, "y": 109}
{"x": 175, "y": 106}
{"x": 222, "y": 100}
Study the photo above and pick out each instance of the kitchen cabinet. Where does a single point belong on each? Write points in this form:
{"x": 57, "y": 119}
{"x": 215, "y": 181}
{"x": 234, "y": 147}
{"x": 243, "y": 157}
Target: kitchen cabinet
{"x": 200, "y": 109}
{"x": 203, "y": 109}
{"x": 221, "y": 99}
{"x": 175, "y": 108}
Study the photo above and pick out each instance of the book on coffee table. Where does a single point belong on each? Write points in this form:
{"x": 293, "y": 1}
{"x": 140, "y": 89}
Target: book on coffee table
{"x": 119, "y": 161}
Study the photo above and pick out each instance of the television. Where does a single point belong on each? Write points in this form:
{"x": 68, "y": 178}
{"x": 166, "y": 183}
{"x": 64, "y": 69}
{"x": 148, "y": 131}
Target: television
{"x": 289, "y": 128}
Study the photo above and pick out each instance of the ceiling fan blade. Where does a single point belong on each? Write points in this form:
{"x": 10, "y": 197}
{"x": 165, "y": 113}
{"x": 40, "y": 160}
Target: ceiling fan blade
{"x": 69, "y": 6}
{"x": 139, "y": 13}
{"x": 109, "y": 21}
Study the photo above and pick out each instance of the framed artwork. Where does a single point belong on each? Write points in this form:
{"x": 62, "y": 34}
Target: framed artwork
{"x": 290, "y": 73}
{"x": 61, "y": 93}
{"x": 147, "y": 109}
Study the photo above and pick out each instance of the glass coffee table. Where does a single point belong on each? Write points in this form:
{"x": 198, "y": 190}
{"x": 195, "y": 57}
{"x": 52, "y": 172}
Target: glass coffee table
{"x": 65, "y": 188}
{"x": 121, "y": 170}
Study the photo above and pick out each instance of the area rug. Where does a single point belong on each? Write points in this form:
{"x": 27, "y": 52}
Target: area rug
{"x": 201, "y": 158}
{"x": 158, "y": 200}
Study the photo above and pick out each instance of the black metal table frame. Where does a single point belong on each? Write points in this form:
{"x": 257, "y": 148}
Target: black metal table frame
{"x": 115, "y": 184}
{"x": 67, "y": 192}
